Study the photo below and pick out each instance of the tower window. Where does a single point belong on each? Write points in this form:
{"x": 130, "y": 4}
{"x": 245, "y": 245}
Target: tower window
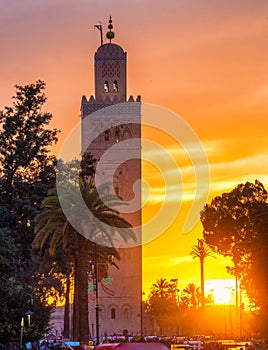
{"x": 126, "y": 314}
{"x": 113, "y": 313}
{"x": 127, "y": 133}
{"x": 106, "y": 135}
{"x": 106, "y": 86}
{"x": 115, "y": 86}
{"x": 117, "y": 135}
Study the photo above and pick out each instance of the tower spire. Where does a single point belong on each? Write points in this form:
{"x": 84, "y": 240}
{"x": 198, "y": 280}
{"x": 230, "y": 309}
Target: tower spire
{"x": 110, "y": 34}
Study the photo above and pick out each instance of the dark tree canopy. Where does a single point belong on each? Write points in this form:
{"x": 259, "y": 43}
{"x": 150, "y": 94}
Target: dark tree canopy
{"x": 25, "y": 138}
{"x": 162, "y": 300}
{"x": 236, "y": 225}
{"x": 27, "y": 171}
{"x": 228, "y": 221}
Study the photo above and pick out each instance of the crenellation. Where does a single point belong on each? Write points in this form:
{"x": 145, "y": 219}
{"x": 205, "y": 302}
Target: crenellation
{"x": 92, "y": 99}
{"x": 84, "y": 100}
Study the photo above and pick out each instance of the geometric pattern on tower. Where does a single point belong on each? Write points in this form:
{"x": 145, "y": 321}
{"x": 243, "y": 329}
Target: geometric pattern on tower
{"x": 110, "y": 69}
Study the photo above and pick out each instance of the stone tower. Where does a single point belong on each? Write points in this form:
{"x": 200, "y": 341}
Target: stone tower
{"x": 112, "y": 123}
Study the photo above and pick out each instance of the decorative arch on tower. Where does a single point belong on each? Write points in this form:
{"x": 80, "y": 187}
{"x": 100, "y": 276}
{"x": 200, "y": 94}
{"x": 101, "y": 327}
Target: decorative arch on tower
{"x": 106, "y": 135}
{"x": 126, "y": 312}
{"x": 113, "y": 312}
{"x": 127, "y": 133}
{"x": 117, "y": 135}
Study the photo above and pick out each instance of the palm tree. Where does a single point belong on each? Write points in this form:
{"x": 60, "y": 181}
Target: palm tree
{"x": 201, "y": 251}
{"x": 173, "y": 289}
{"x": 52, "y": 225}
{"x": 161, "y": 288}
{"x": 192, "y": 292}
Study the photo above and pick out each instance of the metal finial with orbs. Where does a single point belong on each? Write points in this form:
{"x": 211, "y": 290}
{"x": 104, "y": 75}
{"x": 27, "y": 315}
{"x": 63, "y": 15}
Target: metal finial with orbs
{"x": 110, "y": 34}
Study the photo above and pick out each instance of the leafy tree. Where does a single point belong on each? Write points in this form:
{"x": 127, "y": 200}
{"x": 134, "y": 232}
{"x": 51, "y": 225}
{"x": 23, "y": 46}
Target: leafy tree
{"x": 24, "y": 142}
{"x": 13, "y": 295}
{"x": 235, "y": 225}
{"x": 162, "y": 304}
{"x": 9, "y": 288}
{"x": 201, "y": 251}
{"x": 27, "y": 170}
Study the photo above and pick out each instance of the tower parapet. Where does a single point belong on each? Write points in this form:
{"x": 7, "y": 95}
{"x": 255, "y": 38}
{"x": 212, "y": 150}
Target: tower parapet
{"x": 91, "y": 105}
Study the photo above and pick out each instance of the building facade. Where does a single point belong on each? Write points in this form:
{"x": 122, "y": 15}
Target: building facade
{"x": 111, "y": 131}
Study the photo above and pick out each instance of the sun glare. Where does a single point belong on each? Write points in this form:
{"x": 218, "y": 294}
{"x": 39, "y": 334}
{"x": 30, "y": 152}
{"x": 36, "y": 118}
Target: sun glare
{"x": 221, "y": 290}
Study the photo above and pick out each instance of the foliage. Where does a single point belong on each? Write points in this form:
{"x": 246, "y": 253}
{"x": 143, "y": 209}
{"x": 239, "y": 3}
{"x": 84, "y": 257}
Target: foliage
{"x": 27, "y": 172}
{"x": 201, "y": 251}
{"x": 24, "y": 141}
{"x": 9, "y": 288}
{"x": 192, "y": 294}
{"x": 171, "y": 309}
{"x": 53, "y": 229}
{"x": 160, "y": 288}
{"x": 70, "y": 172}
{"x": 235, "y": 225}
{"x": 162, "y": 300}
{"x": 13, "y": 294}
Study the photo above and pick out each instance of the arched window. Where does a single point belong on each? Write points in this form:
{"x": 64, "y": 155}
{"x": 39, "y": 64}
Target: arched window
{"x": 113, "y": 313}
{"x": 115, "y": 86}
{"x": 106, "y": 86}
{"x": 126, "y": 313}
{"x": 127, "y": 133}
{"x": 106, "y": 135}
{"x": 117, "y": 135}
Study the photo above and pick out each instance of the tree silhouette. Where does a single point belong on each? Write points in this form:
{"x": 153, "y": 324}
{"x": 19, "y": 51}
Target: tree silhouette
{"x": 192, "y": 293}
{"x": 162, "y": 303}
{"x": 201, "y": 251}
{"x": 235, "y": 225}
{"x": 27, "y": 171}
{"x": 52, "y": 225}
{"x": 161, "y": 288}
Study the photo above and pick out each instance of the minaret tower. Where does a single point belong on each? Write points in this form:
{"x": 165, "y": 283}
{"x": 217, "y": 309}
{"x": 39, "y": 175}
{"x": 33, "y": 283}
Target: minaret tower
{"x": 108, "y": 119}
{"x": 110, "y": 71}
{"x": 110, "y": 76}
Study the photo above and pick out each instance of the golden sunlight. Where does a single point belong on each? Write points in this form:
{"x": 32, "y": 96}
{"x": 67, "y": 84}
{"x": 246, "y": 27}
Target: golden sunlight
{"x": 221, "y": 290}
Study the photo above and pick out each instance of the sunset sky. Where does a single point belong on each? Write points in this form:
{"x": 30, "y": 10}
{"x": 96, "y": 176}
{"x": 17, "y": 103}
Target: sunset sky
{"x": 205, "y": 60}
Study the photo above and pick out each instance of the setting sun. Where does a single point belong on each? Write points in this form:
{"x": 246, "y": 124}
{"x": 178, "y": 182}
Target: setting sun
{"x": 222, "y": 290}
